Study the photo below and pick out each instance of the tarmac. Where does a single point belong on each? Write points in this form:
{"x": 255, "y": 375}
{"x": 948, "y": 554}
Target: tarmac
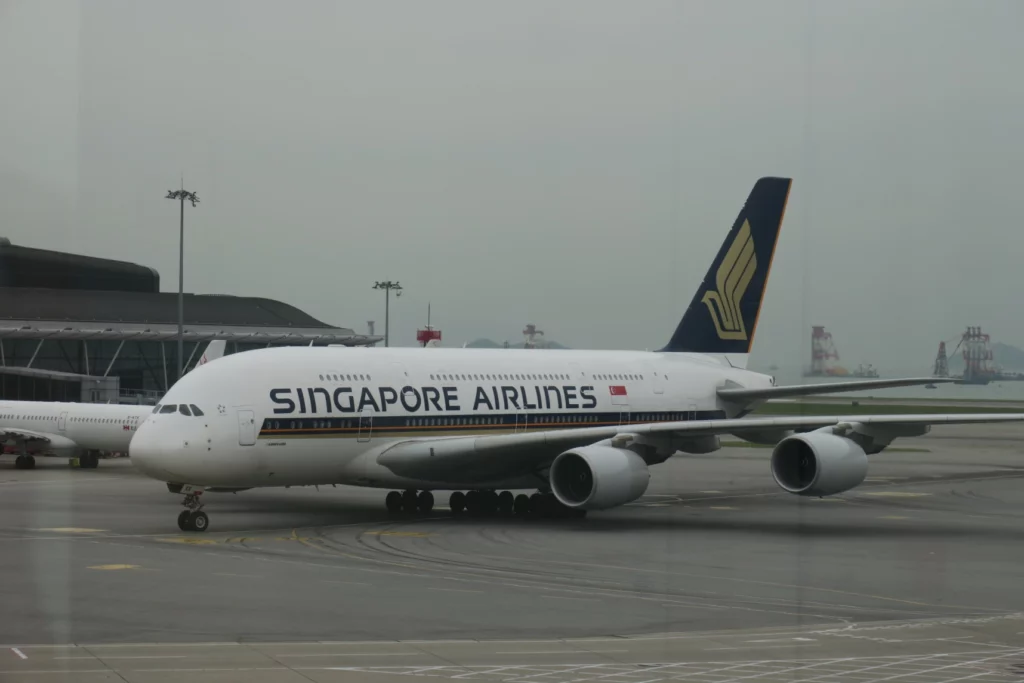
{"x": 714, "y": 575}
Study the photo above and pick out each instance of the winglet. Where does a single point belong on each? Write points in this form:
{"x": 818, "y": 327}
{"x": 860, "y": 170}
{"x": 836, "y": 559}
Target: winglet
{"x": 722, "y": 317}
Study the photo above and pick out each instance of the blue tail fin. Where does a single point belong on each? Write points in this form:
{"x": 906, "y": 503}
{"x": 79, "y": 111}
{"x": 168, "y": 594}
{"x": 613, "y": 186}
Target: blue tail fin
{"x": 722, "y": 317}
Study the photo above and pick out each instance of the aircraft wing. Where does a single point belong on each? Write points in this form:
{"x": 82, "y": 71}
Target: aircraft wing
{"x": 471, "y": 458}
{"x": 26, "y": 436}
{"x": 743, "y": 395}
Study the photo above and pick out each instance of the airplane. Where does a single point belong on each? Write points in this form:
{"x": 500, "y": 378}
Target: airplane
{"x": 58, "y": 429}
{"x": 580, "y": 429}
{"x": 214, "y": 350}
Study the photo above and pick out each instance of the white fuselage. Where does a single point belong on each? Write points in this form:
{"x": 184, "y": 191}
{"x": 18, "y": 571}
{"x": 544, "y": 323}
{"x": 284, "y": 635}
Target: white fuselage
{"x": 301, "y": 416}
{"x": 73, "y": 426}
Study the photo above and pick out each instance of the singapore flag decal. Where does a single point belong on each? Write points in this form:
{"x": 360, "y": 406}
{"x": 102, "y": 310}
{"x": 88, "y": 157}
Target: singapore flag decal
{"x": 619, "y": 397}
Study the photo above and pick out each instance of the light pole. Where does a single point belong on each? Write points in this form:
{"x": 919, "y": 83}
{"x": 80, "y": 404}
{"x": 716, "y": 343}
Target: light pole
{"x": 181, "y": 195}
{"x": 387, "y": 286}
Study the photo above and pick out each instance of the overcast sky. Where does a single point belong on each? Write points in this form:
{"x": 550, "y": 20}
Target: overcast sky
{"x": 574, "y": 164}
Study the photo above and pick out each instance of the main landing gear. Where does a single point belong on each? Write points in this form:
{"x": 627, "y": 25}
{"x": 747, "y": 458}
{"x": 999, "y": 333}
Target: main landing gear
{"x": 193, "y": 518}
{"x": 484, "y": 504}
{"x": 24, "y": 462}
{"x": 89, "y": 460}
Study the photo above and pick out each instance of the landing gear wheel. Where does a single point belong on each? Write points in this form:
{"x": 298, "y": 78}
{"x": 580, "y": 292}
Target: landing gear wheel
{"x": 192, "y": 518}
{"x": 393, "y": 501}
{"x": 25, "y": 462}
{"x": 521, "y": 506}
{"x": 425, "y": 502}
{"x": 89, "y": 460}
{"x": 409, "y": 501}
{"x": 506, "y": 501}
{"x": 199, "y": 521}
{"x": 490, "y": 502}
{"x": 473, "y": 504}
{"x": 536, "y": 505}
{"x": 457, "y": 502}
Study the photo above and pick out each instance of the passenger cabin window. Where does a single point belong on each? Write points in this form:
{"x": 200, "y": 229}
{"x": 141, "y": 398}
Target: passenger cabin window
{"x": 195, "y": 410}
{"x": 183, "y": 409}
{"x": 172, "y": 408}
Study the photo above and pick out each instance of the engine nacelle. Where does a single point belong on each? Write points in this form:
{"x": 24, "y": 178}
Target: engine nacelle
{"x": 598, "y": 477}
{"x": 818, "y": 464}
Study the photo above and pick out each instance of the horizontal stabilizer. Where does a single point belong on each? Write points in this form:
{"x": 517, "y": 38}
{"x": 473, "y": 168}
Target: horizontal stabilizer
{"x": 738, "y": 395}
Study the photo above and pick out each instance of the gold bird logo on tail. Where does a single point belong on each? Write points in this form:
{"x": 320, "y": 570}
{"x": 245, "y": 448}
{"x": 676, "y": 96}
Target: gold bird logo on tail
{"x": 732, "y": 279}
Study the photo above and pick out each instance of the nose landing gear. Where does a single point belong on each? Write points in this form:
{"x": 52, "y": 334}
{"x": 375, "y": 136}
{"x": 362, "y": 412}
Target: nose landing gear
{"x": 193, "y": 518}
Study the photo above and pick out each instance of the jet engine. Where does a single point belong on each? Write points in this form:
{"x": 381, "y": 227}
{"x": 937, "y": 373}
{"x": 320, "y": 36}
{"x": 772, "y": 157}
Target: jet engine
{"x": 598, "y": 477}
{"x": 818, "y": 464}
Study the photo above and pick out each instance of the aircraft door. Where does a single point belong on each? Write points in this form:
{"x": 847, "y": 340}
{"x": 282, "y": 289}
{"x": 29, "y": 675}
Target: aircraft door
{"x": 521, "y": 422}
{"x": 623, "y": 413}
{"x": 365, "y": 425}
{"x": 576, "y": 373}
{"x": 691, "y": 413}
{"x": 62, "y": 421}
{"x": 246, "y": 428}
{"x": 657, "y": 380}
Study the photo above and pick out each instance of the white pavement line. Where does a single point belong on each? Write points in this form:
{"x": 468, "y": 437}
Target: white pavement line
{"x": 790, "y": 670}
{"x": 19, "y": 653}
{"x": 757, "y": 647}
{"x": 349, "y": 583}
{"x": 356, "y": 654}
{"x": 454, "y": 590}
{"x": 105, "y": 657}
{"x": 56, "y": 671}
{"x": 539, "y": 652}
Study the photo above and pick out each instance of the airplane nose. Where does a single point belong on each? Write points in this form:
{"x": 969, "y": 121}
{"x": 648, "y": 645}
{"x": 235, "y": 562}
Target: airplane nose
{"x": 148, "y": 452}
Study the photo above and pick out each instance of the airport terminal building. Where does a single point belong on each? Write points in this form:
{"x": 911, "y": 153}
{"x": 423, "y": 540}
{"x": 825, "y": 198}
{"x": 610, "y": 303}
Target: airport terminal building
{"x": 78, "y": 328}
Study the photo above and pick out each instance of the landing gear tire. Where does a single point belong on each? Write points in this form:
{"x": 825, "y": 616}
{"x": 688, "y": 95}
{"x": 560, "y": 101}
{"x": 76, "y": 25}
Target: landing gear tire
{"x": 521, "y": 505}
{"x": 537, "y": 505}
{"x": 393, "y": 501}
{"x": 425, "y": 502}
{"x": 457, "y": 502}
{"x": 409, "y": 500}
{"x": 506, "y": 502}
{"x": 490, "y": 503}
{"x": 198, "y": 521}
{"x": 89, "y": 460}
{"x": 473, "y": 502}
{"x": 25, "y": 462}
{"x": 192, "y": 518}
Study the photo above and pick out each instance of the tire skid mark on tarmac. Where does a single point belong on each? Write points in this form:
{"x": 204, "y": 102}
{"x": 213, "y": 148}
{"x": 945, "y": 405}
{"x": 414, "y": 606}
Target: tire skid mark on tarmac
{"x": 569, "y": 582}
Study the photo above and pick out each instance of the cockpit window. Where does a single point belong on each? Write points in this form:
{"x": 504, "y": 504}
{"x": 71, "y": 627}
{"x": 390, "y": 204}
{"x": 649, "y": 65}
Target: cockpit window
{"x": 183, "y": 409}
{"x": 195, "y": 410}
{"x": 157, "y": 408}
{"x": 170, "y": 408}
